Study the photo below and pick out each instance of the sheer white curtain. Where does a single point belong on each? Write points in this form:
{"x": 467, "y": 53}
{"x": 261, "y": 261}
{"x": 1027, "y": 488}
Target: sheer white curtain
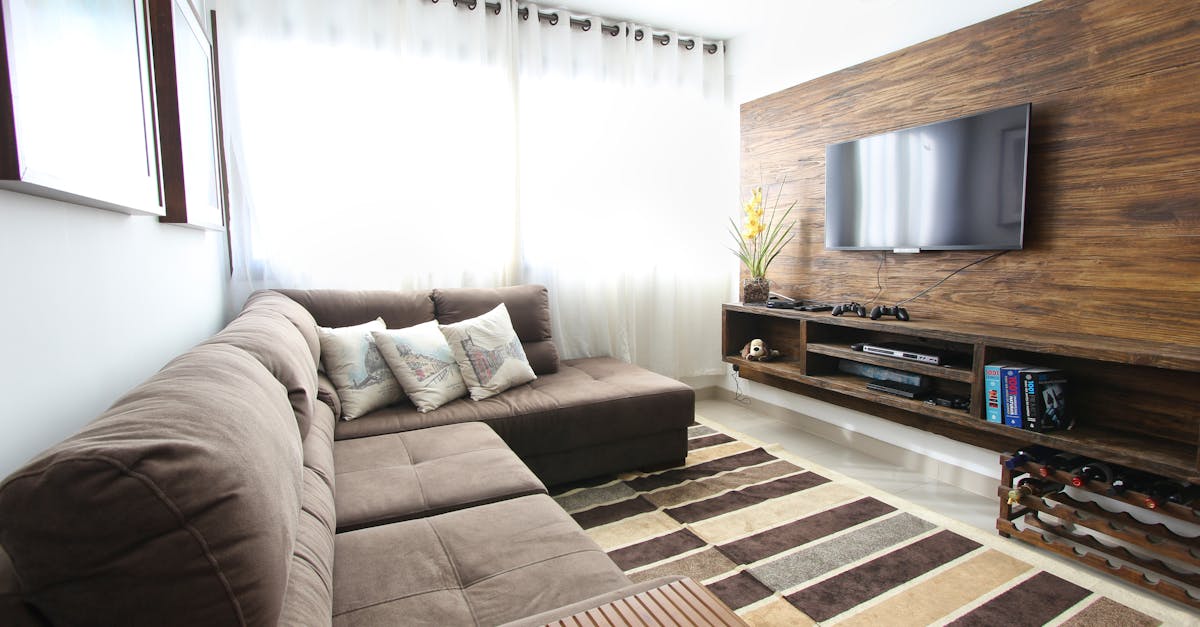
{"x": 628, "y": 171}
{"x": 400, "y": 144}
{"x": 371, "y": 143}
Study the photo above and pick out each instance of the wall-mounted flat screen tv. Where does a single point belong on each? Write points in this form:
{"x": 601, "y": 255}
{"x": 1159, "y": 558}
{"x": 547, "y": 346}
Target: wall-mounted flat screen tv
{"x": 952, "y": 185}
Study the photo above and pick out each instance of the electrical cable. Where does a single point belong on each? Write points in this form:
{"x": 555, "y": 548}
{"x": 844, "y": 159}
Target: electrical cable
{"x": 947, "y": 277}
{"x": 878, "y": 285}
{"x": 737, "y": 389}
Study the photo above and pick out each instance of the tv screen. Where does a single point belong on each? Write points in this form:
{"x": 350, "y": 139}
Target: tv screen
{"x": 952, "y": 185}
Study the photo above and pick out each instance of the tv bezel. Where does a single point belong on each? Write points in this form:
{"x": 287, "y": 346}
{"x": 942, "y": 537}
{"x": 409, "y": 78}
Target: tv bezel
{"x": 901, "y": 249}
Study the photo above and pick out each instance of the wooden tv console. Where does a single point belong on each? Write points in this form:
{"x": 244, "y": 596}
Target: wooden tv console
{"x": 1134, "y": 403}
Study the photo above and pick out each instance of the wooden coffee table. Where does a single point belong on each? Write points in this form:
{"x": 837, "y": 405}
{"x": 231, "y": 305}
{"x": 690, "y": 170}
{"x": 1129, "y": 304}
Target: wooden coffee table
{"x": 682, "y": 602}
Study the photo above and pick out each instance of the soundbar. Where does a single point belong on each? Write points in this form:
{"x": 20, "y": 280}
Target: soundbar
{"x": 904, "y": 351}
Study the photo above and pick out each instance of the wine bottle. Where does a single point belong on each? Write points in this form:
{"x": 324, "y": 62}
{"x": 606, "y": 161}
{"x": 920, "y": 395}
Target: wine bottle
{"x": 1060, "y": 462}
{"x": 1128, "y": 480}
{"x": 1160, "y": 493}
{"x": 1186, "y": 495}
{"x": 1034, "y": 453}
{"x": 1092, "y": 471}
{"x": 1031, "y": 487}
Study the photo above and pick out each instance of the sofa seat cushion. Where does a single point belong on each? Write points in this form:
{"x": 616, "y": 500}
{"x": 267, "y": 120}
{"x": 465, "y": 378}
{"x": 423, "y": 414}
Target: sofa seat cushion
{"x": 484, "y": 565}
{"x": 399, "y": 476}
{"x": 587, "y": 402}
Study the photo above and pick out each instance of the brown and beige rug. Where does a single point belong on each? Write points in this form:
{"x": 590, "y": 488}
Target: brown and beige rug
{"x": 785, "y": 542}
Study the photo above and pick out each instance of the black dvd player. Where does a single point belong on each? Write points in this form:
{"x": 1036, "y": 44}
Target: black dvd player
{"x": 899, "y": 389}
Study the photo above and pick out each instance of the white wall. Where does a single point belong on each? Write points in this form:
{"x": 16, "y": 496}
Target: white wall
{"x": 804, "y": 40}
{"x": 94, "y": 302}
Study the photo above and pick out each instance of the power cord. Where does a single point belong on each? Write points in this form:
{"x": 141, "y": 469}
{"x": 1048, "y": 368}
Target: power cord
{"x": 947, "y": 277}
{"x": 878, "y": 283}
{"x": 737, "y": 389}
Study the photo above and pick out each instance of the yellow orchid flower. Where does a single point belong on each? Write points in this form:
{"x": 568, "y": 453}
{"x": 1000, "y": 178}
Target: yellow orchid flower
{"x": 760, "y": 239}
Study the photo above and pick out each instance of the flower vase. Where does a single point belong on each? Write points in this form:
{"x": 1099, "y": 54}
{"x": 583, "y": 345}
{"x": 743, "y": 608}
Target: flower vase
{"x": 755, "y": 290}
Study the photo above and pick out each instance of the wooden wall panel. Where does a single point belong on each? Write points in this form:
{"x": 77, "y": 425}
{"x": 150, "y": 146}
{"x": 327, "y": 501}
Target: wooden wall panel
{"x": 1112, "y": 236}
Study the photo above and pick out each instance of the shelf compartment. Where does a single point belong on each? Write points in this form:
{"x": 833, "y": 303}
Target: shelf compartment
{"x": 953, "y": 373}
{"x": 851, "y": 385}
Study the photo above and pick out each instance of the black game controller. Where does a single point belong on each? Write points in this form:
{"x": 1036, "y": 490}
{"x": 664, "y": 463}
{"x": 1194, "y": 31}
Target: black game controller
{"x": 850, "y": 307}
{"x": 887, "y": 310}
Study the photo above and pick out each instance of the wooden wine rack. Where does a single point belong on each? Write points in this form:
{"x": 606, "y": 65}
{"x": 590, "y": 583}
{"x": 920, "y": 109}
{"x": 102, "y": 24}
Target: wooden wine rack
{"x": 1153, "y": 538}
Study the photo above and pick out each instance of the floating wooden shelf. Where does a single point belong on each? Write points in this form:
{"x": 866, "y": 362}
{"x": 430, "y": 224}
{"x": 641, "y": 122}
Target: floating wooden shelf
{"x": 1133, "y": 403}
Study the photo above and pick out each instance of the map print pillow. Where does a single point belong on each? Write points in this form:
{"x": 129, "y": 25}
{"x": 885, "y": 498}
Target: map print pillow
{"x": 423, "y": 363}
{"x": 488, "y": 353}
{"x": 353, "y": 362}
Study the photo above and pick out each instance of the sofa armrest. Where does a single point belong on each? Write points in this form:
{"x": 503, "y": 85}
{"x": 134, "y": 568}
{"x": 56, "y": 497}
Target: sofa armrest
{"x": 327, "y": 393}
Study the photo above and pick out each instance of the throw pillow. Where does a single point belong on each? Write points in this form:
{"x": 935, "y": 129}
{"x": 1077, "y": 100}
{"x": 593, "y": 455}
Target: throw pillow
{"x": 353, "y": 362}
{"x": 488, "y": 353}
{"x": 423, "y": 363}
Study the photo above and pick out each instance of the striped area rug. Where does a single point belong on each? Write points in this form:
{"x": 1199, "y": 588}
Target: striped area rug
{"x": 785, "y": 542}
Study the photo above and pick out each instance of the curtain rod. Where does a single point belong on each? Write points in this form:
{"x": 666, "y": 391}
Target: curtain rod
{"x": 586, "y": 24}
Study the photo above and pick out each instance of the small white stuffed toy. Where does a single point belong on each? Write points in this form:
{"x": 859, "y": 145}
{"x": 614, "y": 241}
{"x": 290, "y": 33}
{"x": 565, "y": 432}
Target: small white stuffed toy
{"x": 757, "y": 350}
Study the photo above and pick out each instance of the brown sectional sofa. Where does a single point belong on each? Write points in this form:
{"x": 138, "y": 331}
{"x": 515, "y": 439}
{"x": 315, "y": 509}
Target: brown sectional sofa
{"x": 580, "y": 418}
{"x": 210, "y": 494}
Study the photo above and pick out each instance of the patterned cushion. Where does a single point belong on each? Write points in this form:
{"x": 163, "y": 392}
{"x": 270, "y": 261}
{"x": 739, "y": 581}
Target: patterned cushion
{"x": 421, "y": 360}
{"x": 353, "y": 362}
{"x": 488, "y": 353}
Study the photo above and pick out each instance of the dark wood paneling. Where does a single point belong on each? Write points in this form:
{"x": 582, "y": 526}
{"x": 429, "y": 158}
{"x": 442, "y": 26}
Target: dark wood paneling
{"x": 1112, "y": 241}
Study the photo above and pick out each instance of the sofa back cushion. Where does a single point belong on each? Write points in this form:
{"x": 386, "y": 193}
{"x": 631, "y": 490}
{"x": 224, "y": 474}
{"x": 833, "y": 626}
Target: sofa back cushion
{"x": 178, "y": 506}
{"x": 278, "y": 345}
{"x": 346, "y": 308}
{"x": 528, "y": 308}
{"x": 293, "y": 311}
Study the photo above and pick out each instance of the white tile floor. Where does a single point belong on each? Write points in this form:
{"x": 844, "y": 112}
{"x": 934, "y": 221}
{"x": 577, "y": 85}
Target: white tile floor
{"x": 911, "y": 485}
